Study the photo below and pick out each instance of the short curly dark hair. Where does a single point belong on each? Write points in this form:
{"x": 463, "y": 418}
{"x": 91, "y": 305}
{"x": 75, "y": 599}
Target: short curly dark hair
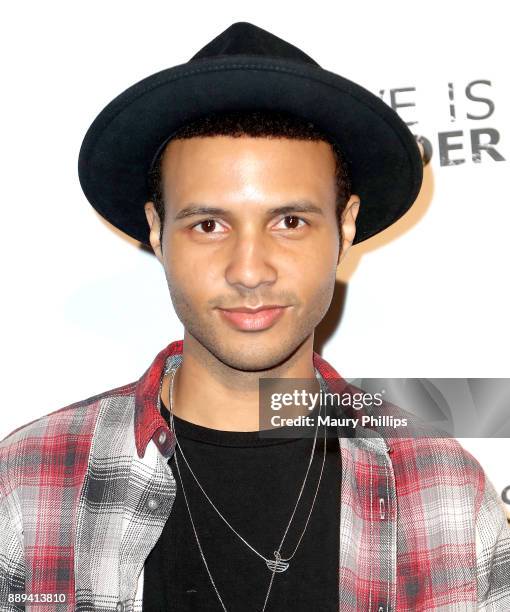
{"x": 257, "y": 123}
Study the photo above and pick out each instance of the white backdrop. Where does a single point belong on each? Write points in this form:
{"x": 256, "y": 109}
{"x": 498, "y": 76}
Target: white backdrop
{"x": 85, "y": 310}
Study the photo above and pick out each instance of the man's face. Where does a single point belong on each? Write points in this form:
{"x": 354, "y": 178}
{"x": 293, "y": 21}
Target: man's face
{"x": 249, "y": 252}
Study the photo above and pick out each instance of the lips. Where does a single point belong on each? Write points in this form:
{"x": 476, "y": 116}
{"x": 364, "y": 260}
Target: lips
{"x": 248, "y": 319}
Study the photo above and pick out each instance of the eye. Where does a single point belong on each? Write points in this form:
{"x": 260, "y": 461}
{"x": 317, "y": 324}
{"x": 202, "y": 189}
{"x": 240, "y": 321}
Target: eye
{"x": 294, "y": 220}
{"x": 208, "y": 224}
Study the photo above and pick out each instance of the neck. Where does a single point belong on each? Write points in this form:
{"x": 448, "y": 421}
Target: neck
{"x": 225, "y": 398}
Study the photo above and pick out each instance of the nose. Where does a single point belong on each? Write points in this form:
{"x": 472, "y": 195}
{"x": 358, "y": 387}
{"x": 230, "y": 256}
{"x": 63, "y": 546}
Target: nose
{"x": 250, "y": 261}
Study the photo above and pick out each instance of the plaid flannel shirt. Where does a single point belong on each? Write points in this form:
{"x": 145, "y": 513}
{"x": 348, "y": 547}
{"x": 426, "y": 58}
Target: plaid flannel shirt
{"x": 85, "y": 492}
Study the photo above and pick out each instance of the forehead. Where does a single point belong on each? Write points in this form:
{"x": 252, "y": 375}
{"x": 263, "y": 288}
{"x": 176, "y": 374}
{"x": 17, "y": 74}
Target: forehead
{"x": 223, "y": 167}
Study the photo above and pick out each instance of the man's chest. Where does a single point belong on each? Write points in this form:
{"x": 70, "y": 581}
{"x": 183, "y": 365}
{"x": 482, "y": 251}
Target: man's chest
{"x": 256, "y": 501}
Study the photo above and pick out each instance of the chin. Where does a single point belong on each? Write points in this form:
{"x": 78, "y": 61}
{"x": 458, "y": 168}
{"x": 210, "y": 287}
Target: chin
{"x": 253, "y": 356}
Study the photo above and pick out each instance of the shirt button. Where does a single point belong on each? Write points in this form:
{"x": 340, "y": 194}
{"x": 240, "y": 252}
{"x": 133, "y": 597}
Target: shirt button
{"x": 152, "y": 503}
{"x": 382, "y": 508}
{"x": 119, "y": 607}
{"x": 162, "y": 437}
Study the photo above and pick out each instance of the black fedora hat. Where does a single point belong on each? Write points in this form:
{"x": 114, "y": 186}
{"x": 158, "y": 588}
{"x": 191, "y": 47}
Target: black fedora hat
{"x": 248, "y": 68}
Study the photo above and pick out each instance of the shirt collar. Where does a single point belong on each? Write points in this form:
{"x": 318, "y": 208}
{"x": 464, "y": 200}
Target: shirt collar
{"x": 148, "y": 422}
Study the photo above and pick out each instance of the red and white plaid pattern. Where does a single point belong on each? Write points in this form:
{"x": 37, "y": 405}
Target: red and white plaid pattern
{"x": 85, "y": 492}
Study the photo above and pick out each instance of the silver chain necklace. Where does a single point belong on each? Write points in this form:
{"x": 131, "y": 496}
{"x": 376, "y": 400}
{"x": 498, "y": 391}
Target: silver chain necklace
{"x": 279, "y": 564}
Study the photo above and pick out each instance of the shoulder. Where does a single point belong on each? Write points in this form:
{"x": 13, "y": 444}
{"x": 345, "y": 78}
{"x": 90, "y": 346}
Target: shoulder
{"x": 57, "y": 442}
{"x": 438, "y": 464}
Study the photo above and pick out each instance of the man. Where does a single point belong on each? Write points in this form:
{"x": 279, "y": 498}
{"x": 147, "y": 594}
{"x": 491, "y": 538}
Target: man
{"x": 250, "y": 171}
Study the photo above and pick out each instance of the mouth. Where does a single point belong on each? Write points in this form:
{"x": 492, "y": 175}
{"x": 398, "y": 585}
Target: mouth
{"x": 253, "y": 319}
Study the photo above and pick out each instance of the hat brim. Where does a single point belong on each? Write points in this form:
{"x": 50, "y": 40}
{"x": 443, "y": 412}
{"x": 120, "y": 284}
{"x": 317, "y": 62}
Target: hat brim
{"x": 384, "y": 159}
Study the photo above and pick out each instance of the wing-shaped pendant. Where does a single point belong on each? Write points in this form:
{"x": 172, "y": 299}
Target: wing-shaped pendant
{"x": 277, "y": 565}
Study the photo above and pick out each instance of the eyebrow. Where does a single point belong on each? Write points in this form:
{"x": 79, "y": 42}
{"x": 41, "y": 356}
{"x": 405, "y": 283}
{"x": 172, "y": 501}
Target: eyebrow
{"x": 292, "y": 207}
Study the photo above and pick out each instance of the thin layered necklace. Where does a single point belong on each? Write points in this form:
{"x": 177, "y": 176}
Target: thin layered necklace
{"x": 278, "y": 564}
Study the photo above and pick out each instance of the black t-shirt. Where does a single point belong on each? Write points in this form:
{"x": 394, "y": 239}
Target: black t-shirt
{"x": 254, "y": 482}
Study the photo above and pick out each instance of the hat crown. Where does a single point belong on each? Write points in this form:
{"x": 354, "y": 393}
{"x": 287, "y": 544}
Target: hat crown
{"x": 243, "y": 38}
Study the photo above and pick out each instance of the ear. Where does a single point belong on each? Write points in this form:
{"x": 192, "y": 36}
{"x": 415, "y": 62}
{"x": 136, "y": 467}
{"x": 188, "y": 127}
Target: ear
{"x": 155, "y": 229}
{"x": 348, "y": 222}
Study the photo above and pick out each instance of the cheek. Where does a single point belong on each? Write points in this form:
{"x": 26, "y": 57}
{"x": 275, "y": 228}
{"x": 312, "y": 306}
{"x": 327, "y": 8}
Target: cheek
{"x": 314, "y": 267}
{"x": 315, "y": 286}
{"x": 190, "y": 277}
{"x": 312, "y": 276}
